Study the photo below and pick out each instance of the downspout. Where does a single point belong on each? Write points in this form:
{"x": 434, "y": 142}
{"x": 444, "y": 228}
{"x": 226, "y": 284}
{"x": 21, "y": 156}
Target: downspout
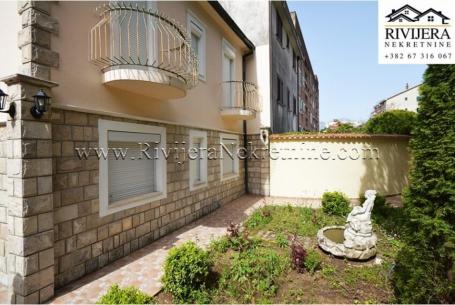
{"x": 245, "y": 135}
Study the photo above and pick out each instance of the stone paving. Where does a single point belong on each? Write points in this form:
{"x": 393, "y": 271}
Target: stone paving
{"x": 143, "y": 268}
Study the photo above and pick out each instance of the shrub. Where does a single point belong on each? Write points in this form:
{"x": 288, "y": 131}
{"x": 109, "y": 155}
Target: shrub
{"x": 313, "y": 261}
{"x": 425, "y": 267}
{"x": 129, "y": 295}
{"x": 185, "y": 271}
{"x": 391, "y": 122}
{"x": 335, "y": 203}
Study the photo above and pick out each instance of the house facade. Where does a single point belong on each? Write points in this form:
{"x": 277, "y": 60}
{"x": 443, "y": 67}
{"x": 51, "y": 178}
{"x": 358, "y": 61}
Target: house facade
{"x": 407, "y": 99}
{"x": 127, "y": 124}
{"x": 290, "y": 91}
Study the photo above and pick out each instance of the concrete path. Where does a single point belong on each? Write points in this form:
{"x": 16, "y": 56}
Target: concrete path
{"x": 144, "y": 267}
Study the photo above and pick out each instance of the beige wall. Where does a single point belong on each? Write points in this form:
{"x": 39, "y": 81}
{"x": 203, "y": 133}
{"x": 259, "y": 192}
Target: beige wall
{"x": 351, "y": 165}
{"x": 80, "y": 82}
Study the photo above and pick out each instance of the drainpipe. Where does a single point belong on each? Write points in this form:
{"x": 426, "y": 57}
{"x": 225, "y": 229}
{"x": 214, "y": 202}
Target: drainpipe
{"x": 245, "y": 130}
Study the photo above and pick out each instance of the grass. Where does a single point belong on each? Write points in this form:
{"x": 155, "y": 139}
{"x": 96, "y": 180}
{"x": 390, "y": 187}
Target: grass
{"x": 255, "y": 266}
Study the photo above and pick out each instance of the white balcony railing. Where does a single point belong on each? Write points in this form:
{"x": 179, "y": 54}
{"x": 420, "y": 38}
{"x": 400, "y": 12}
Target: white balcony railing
{"x": 240, "y": 95}
{"x": 129, "y": 35}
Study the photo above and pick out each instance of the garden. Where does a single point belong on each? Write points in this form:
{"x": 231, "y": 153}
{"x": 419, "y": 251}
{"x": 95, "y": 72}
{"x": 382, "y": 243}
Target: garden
{"x": 273, "y": 257}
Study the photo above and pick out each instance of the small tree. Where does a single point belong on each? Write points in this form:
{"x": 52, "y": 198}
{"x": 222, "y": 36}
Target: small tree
{"x": 425, "y": 269}
{"x": 391, "y": 122}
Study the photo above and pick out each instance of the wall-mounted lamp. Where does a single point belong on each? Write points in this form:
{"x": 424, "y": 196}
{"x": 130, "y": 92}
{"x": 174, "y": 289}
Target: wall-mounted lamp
{"x": 41, "y": 104}
{"x": 12, "y": 108}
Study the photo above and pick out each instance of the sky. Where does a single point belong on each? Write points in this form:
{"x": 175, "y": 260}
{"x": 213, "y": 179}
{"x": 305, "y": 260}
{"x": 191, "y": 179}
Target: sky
{"x": 342, "y": 42}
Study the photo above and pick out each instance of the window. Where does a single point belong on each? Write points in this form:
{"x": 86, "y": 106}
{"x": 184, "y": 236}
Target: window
{"x": 198, "y": 159}
{"x": 301, "y": 106}
{"x": 279, "y": 91}
{"x": 430, "y": 18}
{"x": 406, "y": 98}
{"x": 134, "y": 172}
{"x": 197, "y": 34}
{"x": 229, "y": 158}
{"x": 406, "y": 12}
{"x": 279, "y": 29}
{"x": 228, "y": 70}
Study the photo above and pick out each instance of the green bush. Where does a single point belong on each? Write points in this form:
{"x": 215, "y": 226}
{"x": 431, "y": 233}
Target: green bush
{"x": 253, "y": 273}
{"x": 129, "y": 295}
{"x": 425, "y": 267}
{"x": 335, "y": 203}
{"x": 259, "y": 217}
{"x": 391, "y": 122}
{"x": 313, "y": 261}
{"x": 185, "y": 272}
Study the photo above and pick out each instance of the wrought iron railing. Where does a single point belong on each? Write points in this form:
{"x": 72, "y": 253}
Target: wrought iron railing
{"x": 240, "y": 95}
{"x": 129, "y": 34}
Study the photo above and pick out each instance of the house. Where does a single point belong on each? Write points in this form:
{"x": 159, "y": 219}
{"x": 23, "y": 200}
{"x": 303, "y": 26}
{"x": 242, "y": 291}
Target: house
{"x": 289, "y": 87}
{"x": 408, "y": 13}
{"x": 407, "y": 99}
{"x": 105, "y": 102}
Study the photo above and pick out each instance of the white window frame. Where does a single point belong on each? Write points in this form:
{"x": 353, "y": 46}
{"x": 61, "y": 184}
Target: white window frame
{"x": 195, "y": 26}
{"x": 228, "y": 50}
{"x": 104, "y": 126}
{"x": 202, "y": 137}
{"x": 227, "y": 137}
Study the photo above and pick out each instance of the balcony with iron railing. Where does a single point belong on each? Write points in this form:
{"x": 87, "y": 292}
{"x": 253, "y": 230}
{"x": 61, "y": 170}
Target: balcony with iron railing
{"x": 140, "y": 50}
{"x": 239, "y": 100}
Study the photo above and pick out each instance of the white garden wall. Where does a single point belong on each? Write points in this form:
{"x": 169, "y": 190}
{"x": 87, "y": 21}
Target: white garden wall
{"x": 306, "y": 166}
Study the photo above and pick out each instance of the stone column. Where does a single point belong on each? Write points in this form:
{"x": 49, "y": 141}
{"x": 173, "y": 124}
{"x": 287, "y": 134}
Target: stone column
{"x": 30, "y": 241}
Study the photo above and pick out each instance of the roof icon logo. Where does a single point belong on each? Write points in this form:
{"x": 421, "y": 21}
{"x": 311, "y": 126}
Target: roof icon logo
{"x": 407, "y": 13}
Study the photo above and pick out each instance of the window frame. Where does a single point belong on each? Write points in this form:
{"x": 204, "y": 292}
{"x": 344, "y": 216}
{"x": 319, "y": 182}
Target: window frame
{"x": 199, "y": 134}
{"x": 236, "y": 160}
{"x": 104, "y": 126}
{"x": 194, "y": 25}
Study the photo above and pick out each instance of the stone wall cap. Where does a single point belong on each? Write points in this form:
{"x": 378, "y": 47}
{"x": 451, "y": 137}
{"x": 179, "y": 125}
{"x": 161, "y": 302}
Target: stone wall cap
{"x": 316, "y": 136}
{"x": 22, "y": 78}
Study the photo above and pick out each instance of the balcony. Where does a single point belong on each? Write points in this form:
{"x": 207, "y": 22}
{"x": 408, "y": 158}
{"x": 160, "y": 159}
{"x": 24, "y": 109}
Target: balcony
{"x": 139, "y": 50}
{"x": 240, "y": 100}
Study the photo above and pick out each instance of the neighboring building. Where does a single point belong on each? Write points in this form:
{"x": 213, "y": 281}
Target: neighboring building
{"x": 117, "y": 75}
{"x": 405, "y": 100}
{"x": 288, "y": 85}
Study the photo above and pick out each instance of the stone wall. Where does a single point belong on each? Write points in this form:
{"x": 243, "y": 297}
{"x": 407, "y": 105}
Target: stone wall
{"x": 258, "y": 168}
{"x": 84, "y": 241}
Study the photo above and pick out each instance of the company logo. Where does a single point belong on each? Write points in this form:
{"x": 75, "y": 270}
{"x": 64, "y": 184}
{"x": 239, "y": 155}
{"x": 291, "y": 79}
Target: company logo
{"x": 408, "y": 13}
{"x": 416, "y": 34}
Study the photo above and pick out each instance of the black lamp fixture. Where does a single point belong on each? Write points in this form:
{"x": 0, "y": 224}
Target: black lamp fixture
{"x": 41, "y": 104}
{"x": 12, "y": 108}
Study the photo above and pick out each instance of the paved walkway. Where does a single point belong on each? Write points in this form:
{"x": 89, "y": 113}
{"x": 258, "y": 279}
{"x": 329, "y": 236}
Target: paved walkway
{"x": 143, "y": 268}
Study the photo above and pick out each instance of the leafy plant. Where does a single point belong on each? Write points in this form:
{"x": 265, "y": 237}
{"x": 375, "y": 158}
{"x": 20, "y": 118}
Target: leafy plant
{"x": 298, "y": 255}
{"x": 233, "y": 230}
{"x": 128, "y": 295}
{"x": 253, "y": 273}
{"x": 259, "y": 217}
{"x": 281, "y": 240}
{"x": 313, "y": 261}
{"x": 391, "y": 122}
{"x": 335, "y": 203}
{"x": 185, "y": 271}
{"x": 425, "y": 268}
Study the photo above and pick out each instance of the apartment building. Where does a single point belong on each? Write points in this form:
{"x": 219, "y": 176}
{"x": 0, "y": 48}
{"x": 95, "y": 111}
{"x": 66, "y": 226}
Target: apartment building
{"x": 408, "y": 99}
{"x": 289, "y": 87}
{"x": 97, "y": 76}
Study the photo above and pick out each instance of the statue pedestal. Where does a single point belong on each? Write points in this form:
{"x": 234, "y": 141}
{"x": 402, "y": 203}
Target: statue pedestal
{"x": 359, "y": 240}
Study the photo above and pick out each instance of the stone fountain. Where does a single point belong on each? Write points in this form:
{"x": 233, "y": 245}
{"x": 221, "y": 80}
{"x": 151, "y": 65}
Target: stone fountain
{"x": 356, "y": 239}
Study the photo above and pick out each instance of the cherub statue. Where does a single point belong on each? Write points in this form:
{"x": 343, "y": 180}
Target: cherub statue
{"x": 363, "y": 212}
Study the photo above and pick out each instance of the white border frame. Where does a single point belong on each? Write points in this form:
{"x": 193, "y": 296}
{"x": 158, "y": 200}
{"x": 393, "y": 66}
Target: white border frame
{"x": 199, "y": 134}
{"x": 192, "y": 19}
{"x": 236, "y": 157}
{"x": 104, "y": 126}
